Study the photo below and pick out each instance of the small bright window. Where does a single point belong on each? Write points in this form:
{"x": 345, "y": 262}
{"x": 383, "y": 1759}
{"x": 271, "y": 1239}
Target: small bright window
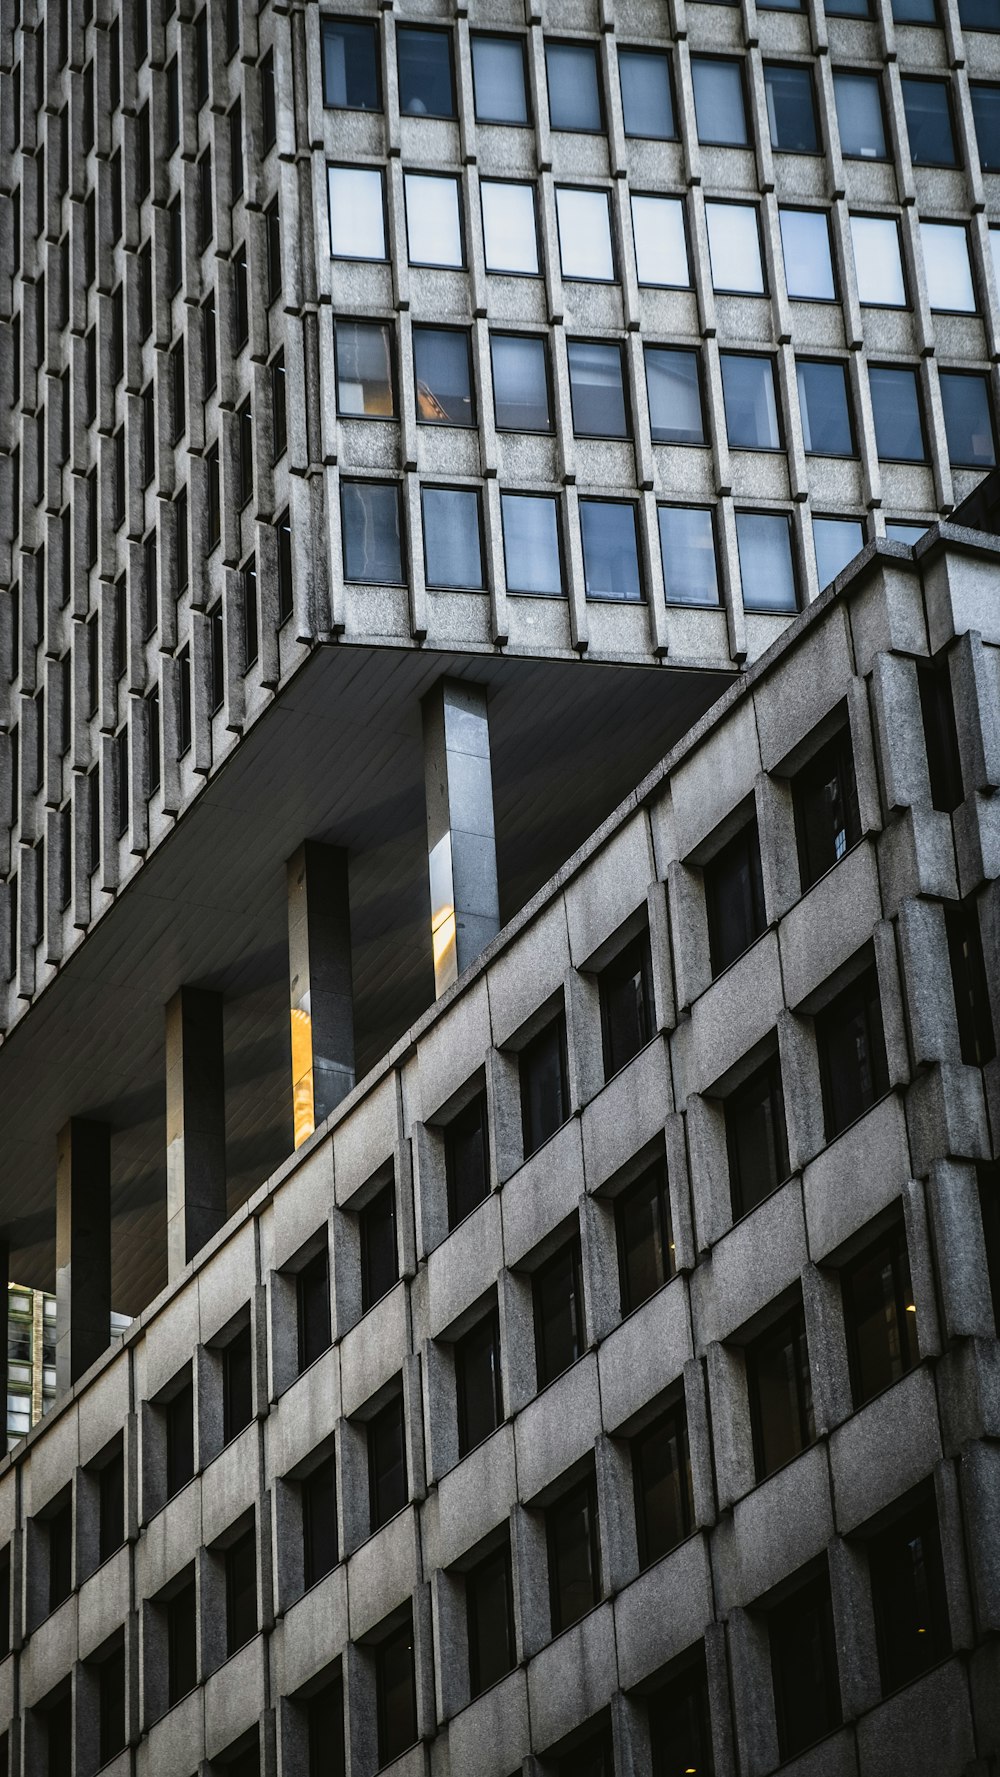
{"x": 947, "y": 267}
{"x": 838, "y": 541}
{"x": 805, "y": 246}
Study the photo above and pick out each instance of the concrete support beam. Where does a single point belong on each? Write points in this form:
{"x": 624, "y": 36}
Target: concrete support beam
{"x": 196, "y": 1124}
{"x": 83, "y": 1247}
{"x": 320, "y": 984}
{"x": 461, "y": 839}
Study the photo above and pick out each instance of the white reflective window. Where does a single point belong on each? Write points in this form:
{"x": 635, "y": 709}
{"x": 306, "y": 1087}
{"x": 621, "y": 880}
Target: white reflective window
{"x": 433, "y": 220}
{"x": 357, "y": 213}
{"x": 661, "y": 254}
{"x": 947, "y": 267}
{"x": 734, "y": 247}
{"x": 877, "y": 261}
{"x": 805, "y": 247}
{"x": 498, "y": 79}
{"x": 584, "y": 234}
{"x": 509, "y": 232}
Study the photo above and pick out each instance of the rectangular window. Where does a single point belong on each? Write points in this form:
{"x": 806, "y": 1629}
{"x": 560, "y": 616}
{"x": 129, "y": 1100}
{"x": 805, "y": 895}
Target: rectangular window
{"x": 734, "y": 248}
{"x": 827, "y": 815}
{"x": 325, "y": 1731}
{"x": 597, "y": 391}
{"x": 853, "y": 1068}
{"x": 241, "y": 300}
{"x": 498, "y": 79}
{"x": 179, "y": 1429}
{"x": 244, "y": 437}
{"x": 950, "y": 289}
{"x": 680, "y": 1729}
{"x": 826, "y": 416}
{"x": 908, "y": 1594}
{"x": 756, "y": 1137}
{"x": 532, "y": 552}
{"x": 610, "y": 550}
{"x": 387, "y": 1484}
{"x": 986, "y": 114}
{"x": 661, "y": 255}
{"x": 467, "y": 1160}
{"x": 111, "y": 1705}
{"x": 350, "y": 64}
{"x": 574, "y": 87}
{"x": 205, "y": 224}
{"x": 175, "y": 248}
{"x": 836, "y": 541}
{"x": 804, "y": 1667}
{"x": 584, "y": 221}
{"x": 937, "y": 709}
{"x": 365, "y": 377}
{"x": 968, "y": 421}
{"x": 312, "y": 1301}
{"x": 879, "y": 1316}
{"x": 767, "y": 567}
{"x": 423, "y": 63}
{"x": 241, "y": 1592}
{"x": 968, "y": 974}
{"x": 285, "y": 581}
{"x": 443, "y": 372}
{"x": 433, "y": 220}
{"x": 208, "y": 353}
{"x": 236, "y": 151}
{"x": 395, "y": 1694}
{"x": 489, "y": 1606}
{"x": 557, "y": 1296}
{"x": 214, "y": 496}
{"x": 478, "y": 1383}
{"x": 272, "y": 232}
{"x": 251, "y": 613}
{"x": 521, "y": 397}
{"x": 859, "y": 115}
{"x": 877, "y": 261}
{"x": 751, "y": 407}
{"x": 59, "y": 1533}
{"x": 626, "y": 992}
{"x": 927, "y": 104}
{"x": 372, "y": 536}
{"x": 152, "y": 742}
{"x": 268, "y": 105}
{"x": 673, "y": 384}
{"x": 899, "y": 427}
{"x": 510, "y": 234}
{"x": 544, "y": 1076}
{"x": 173, "y": 105}
{"x": 379, "y": 1257}
{"x": 791, "y": 108}
{"x": 645, "y": 1237}
{"x": 279, "y": 418}
{"x": 5, "y": 1597}
{"x": 988, "y": 1183}
{"x": 781, "y": 1410}
{"x": 453, "y": 555}
{"x": 237, "y": 1383}
{"x": 734, "y": 898}
{"x": 661, "y": 1477}
{"x": 319, "y": 1522}
{"x": 687, "y": 548}
{"x": 720, "y": 109}
{"x": 574, "y": 1556}
{"x": 145, "y": 281}
{"x": 184, "y": 731}
{"x": 182, "y": 1643}
{"x": 647, "y": 94}
{"x": 357, "y": 212}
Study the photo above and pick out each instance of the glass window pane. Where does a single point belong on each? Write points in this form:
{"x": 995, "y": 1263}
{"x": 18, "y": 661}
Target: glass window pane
{"x": 791, "y": 110}
{"x": 661, "y": 255}
{"x": 967, "y": 421}
{"x": 751, "y": 411}
{"x": 433, "y": 220}
{"x": 661, "y": 1473}
{"x": 574, "y": 90}
{"x": 978, "y": 15}
{"x": 452, "y": 552}
{"x": 766, "y": 568}
{"x": 610, "y": 549}
{"x": 520, "y": 383}
{"x": 357, "y": 213}
{"x": 914, "y": 12}
{"x": 647, "y": 101}
{"x": 372, "y": 545}
{"x": 805, "y": 246}
{"x": 443, "y": 377}
{"x": 584, "y": 234}
{"x": 498, "y": 79}
{"x": 674, "y": 388}
{"x": 877, "y": 261}
{"x": 364, "y": 369}
{"x": 928, "y": 122}
{"x": 718, "y": 100}
{"x": 826, "y": 419}
{"x": 596, "y": 392}
{"x": 899, "y": 432}
{"x": 859, "y": 114}
{"x": 477, "y": 1379}
{"x": 986, "y": 112}
{"x": 531, "y": 543}
{"x": 423, "y": 61}
{"x": 687, "y": 544}
{"x": 734, "y": 247}
{"x": 850, "y": 9}
{"x": 838, "y": 541}
{"x": 645, "y": 1248}
{"x": 899, "y": 531}
{"x": 947, "y": 267}
{"x": 350, "y": 65}
{"x": 509, "y": 232}
{"x": 557, "y": 1301}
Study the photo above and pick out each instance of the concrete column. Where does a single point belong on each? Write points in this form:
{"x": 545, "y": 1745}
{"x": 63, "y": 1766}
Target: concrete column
{"x": 83, "y": 1247}
{"x": 461, "y": 840}
{"x": 320, "y": 984}
{"x": 196, "y": 1124}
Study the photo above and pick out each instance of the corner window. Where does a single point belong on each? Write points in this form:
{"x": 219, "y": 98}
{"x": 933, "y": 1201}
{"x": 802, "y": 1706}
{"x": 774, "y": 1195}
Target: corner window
{"x": 854, "y": 1072}
{"x": 365, "y": 379}
{"x": 791, "y": 108}
{"x": 319, "y": 1522}
{"x": 826, "y": 416}
{"x": 510, "y": 234}
{"x": 720, "y": 111}
{"x": 968, "y": 422}
{"x": 610, "y": 549}
{"x": 673, "y": 385}
{"x": 387, "y": 1483}
{"x": 767, "y": 571}
{"x": 443, "y": 373}
{"x": 927, "y": 104}
{"x": 426, "y": 82}
{"x": 751, "y": 408}
{"x": 452, "y": 541}
{"x": 661, "y": 255}
{"x": 350, "y": 64}
{"x": 379, "y": 1257}
{"x": 877, "y": 261}
{"x": 661, "y": 1477}
{"x": 312, "y": 1301}
{"x": 734, "y": 898}
{"x": 521, "y": 398}
{"x": 584, "y": 221}
{"x": 596, "y": 389}
{"x": 647, "y": 96}
{"x": 734, "y": 248}
{"x": 466, "y": 1149}
{"x": 626, "y": 993}
{"x": 557, "y": 1296}
{"x": 574, "y": 1556}
{"x": 756, "y": 1138}
{"x": 489, "y": 1606}
{"x": 498, "y": 79}
{"x": 859, "y": 115}
{"x": 947, "y": 267}
{"x": 478, "y": 1384}
{"x": 574, "y": 87}
{"x": 986, "y": 114}
{"x": 544, "y": 1076}
{"x": 827, "y": 817}
{"x": 836, "y": 541}
{"x": 781, "y": 1410}
{"x": 395, "y": 1694}
{"x": 645, "y": 1237}
{"x": 687, "y": 547}
{"x": 532, "y": 555}
{"x": 357, "y": 213}
{"x": 879, "y": 1316}
{"x": 804, "y": 1667}
{"x": 899, "y": 426}
{"x": 433, "y": 220}
{"x": 908, "y": 1594}
{"x": 372, "y": 538}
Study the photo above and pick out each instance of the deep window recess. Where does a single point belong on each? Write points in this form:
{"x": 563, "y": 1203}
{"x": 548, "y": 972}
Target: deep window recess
{"x": 827, "y": 817}
{"x": 680, "y": 1730}
{"x": 854, "y": 1072}
{"x": 319, "y": 1521}
{"x": 531, "y": 543}
{"x": 443, "y": 373}
{"x": 661, "y": 1475}
{"x": 804, "y": 1667}
{"x": 734, "y": 898}
{"x": 426, "y": 81}
{"x": 179, "y": 1429}
{"x": 781, "y": 1410}
{"x": 645, "y": 1237}
{"x": 325, "y": 1731}
{"x": 387, "y": 1483}
{"x": 756, "y": 1137}
{"x": 908, "y": 1594}
{"x": 879, "y": 1316}
{"x": 489, "y": 1605}
{"x": 937, "y": 708}
{"x": 379, "y": 1257}
{"x": 237, "y": 1383}
{"x": 478, "y": 1383}
{"x": 350, "y": 64}
{"x": 625, "y": 985}
{"x": 396, "y": 1694}
{"x": 241, "y": 1591}
{"x": 791, "y": 108}
{"x": 59, "y": 1532}
{"x": 182, "y": 1643}
{"x": 467, "y": 1169}
{"x": 574, "y": 1555}
{"x": 968, "y": 974}
{"x": 560, "y": 1328}
{"x": 543, "y": 1067}
{"x": 312, "y": 1301}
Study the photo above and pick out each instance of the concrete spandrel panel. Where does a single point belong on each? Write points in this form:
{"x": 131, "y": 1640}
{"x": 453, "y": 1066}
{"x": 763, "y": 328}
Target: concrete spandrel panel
{"x": 176, "y": 1742}
{"x": 558, "y": 1427}
{"x": 777, "y": 1528}
{"x": 365, "y": 1139}
{"x": 104, "y": 1602}
{"x": 312, "y": 1632}
{"x": 52, "y": 1460}
{"x": 225, "y": 1281}
{"x": 628, "y": 1113}
{"x": 885, "y": 617}
{"x": 374, "y": 1350}
{"x": 605, "y": 892}
{"x": 229, "y": 1484}
{"x": 452, "y": 1049}
{"x": 169, "y": 1339}
{"x": 573, "y": 1677}
{"x": 168, "y": 1539}
{"x": 470, "y": 1500}
{"x": 464, "y": 1266}
{"x": 305, "y": 1413}
{"x": 49, "y": 1653}
{"x": 528, "y": 972}
{"x": 715, "y": 777}
{"x": 830, "y": 923}
{"x": 751, "y": 1265}
{"x": 543, "y": 1193}
{"x": 885, "y": 1449}
{"x": 383, "y": 1572}
{"x": 492, "y": 1736}
{"x": 739, "y": 1009}
{"x": 806, "y": 683}
{"x": 858, "y": 1175}
{"x": 107, "y": 1408}
{"x": 895, "y": 1738}
{"x": 232, "y": 1696}
{"x": 645, "y": 1354}
{"x": 664, "y": 1611}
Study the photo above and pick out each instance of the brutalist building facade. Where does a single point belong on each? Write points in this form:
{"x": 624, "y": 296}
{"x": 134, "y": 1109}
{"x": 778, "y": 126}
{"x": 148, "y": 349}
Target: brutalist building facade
{"x": 558, "y": 1221}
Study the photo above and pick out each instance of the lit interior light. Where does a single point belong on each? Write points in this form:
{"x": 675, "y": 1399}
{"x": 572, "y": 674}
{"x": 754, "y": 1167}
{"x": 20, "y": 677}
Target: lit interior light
{"x": 911, "y": 1308}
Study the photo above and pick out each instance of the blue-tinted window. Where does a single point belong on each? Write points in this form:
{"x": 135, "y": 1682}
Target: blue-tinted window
{"x": 751, "y": 409}
{"x": 350, "y": 64}
{"x": 372, "y": 541}
{"x": 574, "y": 87}
{"x": 610, "y": 549}
{"x": 426, "y": 83}
{"x": 596, "y": 389}
{"x": 531, "y": 543}
{"x": 899, "y": 430}
{"x": 452, "y": 542}
{"x": 837, "y": 541}
{"x": 674, "y": 387}
{"x": 986, "y": 112}
{"x": 647, "y": 99}
{"x": 967, "y": 420}
{"x": 498, "y": 79}
{"x": 687, "y": 546}
{"x": 826, "y": 417}
{"x": 859, "y": 114}
{"x": 767, "y": 571}
{"x": 915, "y": 12}
{"x": 719, "y": 106}
{"x": 443, "y": 376}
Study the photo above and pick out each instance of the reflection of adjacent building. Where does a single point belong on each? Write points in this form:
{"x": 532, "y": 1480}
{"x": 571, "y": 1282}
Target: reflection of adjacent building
{"x": 31, "y": 1356}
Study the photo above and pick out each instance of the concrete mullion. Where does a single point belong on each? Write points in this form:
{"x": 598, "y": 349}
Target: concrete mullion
{"x": 497, "y": 575}
{"x": 161, "y": 598}
{"x": 579, "y": 620}
{"x": 685, "y": 106}
{"x": 944, "y": 493}
{"x": 763, "y": 152}
{"x": 871, "y": 473}
{"x": 551, "y": 258}
{"x": 899, "y": 141}
{"x": 472, "y": 220}
{"x": 563, "y": 405}
{"x": 267, "y": 600}
{"x": 913, "y": 260}
{"x": 300, "y": 518}
{"x": 396, "y": 241}
{"x": 716, "y": 405}
{"x": 538, "y": 83}
{"x": 621, "y": 220}
{"x": 651, "y": 568}
{"x": 967, "y": 144}
{"x": 788, "y": 396}
{"x": 731, "y": 583}
{"x": 985, "y": 277}
{"x": 614, "y": 114}
{"x": 256, "y": 240}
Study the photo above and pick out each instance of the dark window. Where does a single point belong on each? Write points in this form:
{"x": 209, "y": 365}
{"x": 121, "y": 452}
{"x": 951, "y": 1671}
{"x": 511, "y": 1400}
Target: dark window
{"x": 720, "y": 110}
{"x": 593, "y": 1758}
{"x": 4, "y": 1602}
{"x": 236, "y": 151}
{"x": 899, "y": 428}
{"x": 467, "y": 1167}
{"x": 116, "y": 198}
{"x": 208, "y": 356}
{"x": 117, "y": 335}
{"x": 937, "y": 708}
{"x": 372, "y": 535}
{"x": 661, "y": 1476}
{"x": 791, "y": 108}
{"x": 396, "y": 1694}
{"x": 687, "y": 546}
{"x": 178, "y": 1417}
{"x": 387, "y": 1484}
{"x": 182, "y": 1643}
{"x": 241, "y": 311}
{"x": 756, "y": 1137}
{"x": 647, "y": 94}
{"x": 279, "y": 416}
{"x": 145, "y": 293}
{"x": 908, "y": 1593}
{"x": 142, "y": 158}
{"x": 244, "y": 438}
{"x": 968, "y": 422}
{"x": 111, "y": 1737}
{"x": 988, "y": 1181}
{"x": 478, "y": 1383}
{"x": 319, "y": 1522}
{"x": 204, "y": 200}
{"x": 443, "y": 373}
{"x": 927, "y": 105}
{"x": 177, "y": 392}
{"x": 251, "y": 614}
{"x": 986, "y": 113}
{"x": 325, "y": 1731}
{"x": 285, "y": 588}
{"x": 489, "y": 1604}
{"x": 914, "y": 12}
{"x": 241, "y": 1592}
{"x": 365, "y": 381}
{"x": 272, "y": 229}
{"x": 175, "y": 247}
{"x": 734, "y": 898}
{"x": 231, "y": 11}
{"x": 423, "y": 60}
{"x": 173, "y": 107}
{"x": 626, "y": 991}
{"x": 59, "y": 1737}
{"x": 268, "y": 107}
{"x": 544, "y": 1073}
{"x": 680, "y": 1730}
{"x": 153, "y": 741}
{"x": 312, "y": 1295}
{"x": 59, "y": 1529}
{"x": 560, "y": 1329}
{"x": 184, "y": 730}
{"x": 674, "y": 388}
{"x": 521, "y": 397}
{"x": 645, "y": 1237}
{"x": 574, "y": 1555}
{"x": 751, "y": 406}
{"x": 859, "y": 114}
{"x": 596, "y": 390}
{"x": 879, "y": 1316}
{"x": 379, "y": 1260}
{"x": 180, "y": 540}
{"x": 781, "y": 1410}
{"x": 201, "y": 62}
{"x": 574, "y": 87}
{"x": 852, "y": 1062}
{"x": 826, "y": 415}
{"x": 968, "y": 974}
{"x": 498, "y": 79}
{"x": 111, "y": 1486}
{"x": 804, "y": 1668}
{"x": 827, "y": 818}
{"x": 453, "y": 554}
{"x": 148, "y": 435}
{"x": 237, "y": 1383}
{"x": 610, "y": 550}
{"x": 350, "y": 64}
{"x": 214, "y": 514}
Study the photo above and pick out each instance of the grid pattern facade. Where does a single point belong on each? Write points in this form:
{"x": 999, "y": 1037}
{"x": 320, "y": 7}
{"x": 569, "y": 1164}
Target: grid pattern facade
{"x": 202, "y": 485}
{"x": 306, "y": 1497}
